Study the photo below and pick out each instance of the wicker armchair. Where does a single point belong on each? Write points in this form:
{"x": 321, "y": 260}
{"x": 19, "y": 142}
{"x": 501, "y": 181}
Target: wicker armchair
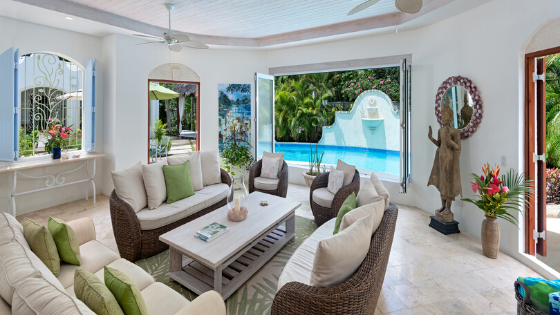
{"x": 357, "y": 295}
{"x": 281, "y": 190}
{"x": 323, "y": 214}
{"x": 134, "y": 243}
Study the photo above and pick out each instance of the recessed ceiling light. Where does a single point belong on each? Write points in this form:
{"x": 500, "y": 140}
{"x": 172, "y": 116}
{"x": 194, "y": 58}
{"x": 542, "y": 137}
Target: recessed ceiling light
{"x": 69, "y": 18}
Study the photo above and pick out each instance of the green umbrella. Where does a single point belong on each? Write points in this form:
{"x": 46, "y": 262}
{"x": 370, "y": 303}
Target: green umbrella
{"x": 158, "y": 92}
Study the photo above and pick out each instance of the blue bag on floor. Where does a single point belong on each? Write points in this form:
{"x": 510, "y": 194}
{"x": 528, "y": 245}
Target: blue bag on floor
{"x": 539, "y": 291}
{"x": 554, "y": 299}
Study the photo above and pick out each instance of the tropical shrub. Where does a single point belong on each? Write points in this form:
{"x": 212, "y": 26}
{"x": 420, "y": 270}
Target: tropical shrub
{"x": 553, "y": 111}
{"x": 553, "y": 185}
{"x": 159, "y": 129}
{"x": 174, "y": 131}
{"x": 236, "y": 155}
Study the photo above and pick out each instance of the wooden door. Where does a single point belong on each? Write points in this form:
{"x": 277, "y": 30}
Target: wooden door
{"x": 541, "y": 152}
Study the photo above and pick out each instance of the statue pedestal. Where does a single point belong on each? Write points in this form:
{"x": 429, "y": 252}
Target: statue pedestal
{"x": 444, "y": 228}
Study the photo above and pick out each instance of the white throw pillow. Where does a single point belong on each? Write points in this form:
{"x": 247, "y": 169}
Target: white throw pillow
{"x": 367, "y": 194}
{"x": 154, "y": 181}
{"x": 338, "y": 257}
{"x": 196, "y": 167}
{"x": 380, "y": 188}
{"x": 276, "y": 155}
{"x": 210, "y": 167}
{"x": 269, "y": 167}
{"x": 349, "y": 171}
{"x": 375, "y": 210}
{"x": 129, "y": 185}
{"x": 336, "y": 179}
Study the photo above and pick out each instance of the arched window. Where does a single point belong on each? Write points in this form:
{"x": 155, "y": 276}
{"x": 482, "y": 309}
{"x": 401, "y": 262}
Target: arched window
{"x": 51, "y": 92}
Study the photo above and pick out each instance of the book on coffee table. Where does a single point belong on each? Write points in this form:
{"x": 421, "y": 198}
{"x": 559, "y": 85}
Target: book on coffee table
{"x": 210, "y": 232}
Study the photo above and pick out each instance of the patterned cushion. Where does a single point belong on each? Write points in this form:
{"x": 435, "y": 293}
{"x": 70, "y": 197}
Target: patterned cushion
{"x": 336, "y": 179}
{"x": 42, "y": 244}
{"x": 66, "y": 242}
{"x": 269, "y": 167}
{"x": 90, "y": 290}
{"x": 280, "y": 156}
{"x": 125, "y": 291}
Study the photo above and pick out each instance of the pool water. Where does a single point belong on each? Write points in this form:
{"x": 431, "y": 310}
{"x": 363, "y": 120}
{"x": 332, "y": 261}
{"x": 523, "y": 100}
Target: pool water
{"x": 376, "y": 160}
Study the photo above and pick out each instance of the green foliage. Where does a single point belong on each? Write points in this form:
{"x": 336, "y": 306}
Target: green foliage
{"x": 302, "y": 102}
{"x": 553, "y": 111}
{"x": 553, "y": 185}
{"x": 27, "y": 141}
{"x": 315, "y": 161}
{"x": 159, "y": 129}
{"x": 237, "y": 155}
{"x": 496, "y": 197}
{"x": 174, "y": 131}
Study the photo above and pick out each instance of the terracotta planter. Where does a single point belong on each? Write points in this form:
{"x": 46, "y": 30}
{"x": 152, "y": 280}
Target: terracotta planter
{"x": 308, "y": 178}
{"x": 490, "y": 235}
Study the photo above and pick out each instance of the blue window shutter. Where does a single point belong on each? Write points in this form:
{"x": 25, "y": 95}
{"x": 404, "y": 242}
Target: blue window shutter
{"x": 9, "y": 105}
{"x": 89, "y": 105}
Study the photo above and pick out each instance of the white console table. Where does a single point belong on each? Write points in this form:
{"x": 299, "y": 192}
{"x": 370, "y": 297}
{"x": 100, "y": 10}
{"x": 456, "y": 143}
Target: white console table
{"x": 51, "y": 181}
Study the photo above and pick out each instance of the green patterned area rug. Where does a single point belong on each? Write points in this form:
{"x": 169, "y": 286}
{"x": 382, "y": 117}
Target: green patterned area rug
{"x": 256, "y": 295}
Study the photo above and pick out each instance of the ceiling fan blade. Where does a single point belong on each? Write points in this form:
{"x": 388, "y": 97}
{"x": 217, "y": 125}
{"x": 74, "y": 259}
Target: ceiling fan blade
{"x": 409, "y": 6}
{"x": 195, "y": 45}
{"x": 180, "y": 38}
{"x": 147, "y": 36}
{"x": 175, "y": 47}
{"x": 160, "y": 42}
{"x": 363, "y": 6}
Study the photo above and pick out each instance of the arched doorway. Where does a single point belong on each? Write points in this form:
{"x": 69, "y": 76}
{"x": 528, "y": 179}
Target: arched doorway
{"x": 180, "y": 112}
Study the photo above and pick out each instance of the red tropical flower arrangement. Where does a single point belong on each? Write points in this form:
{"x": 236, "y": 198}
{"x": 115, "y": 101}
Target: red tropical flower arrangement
{"x": 499, "y": 195}
{"x": 57, "y": 135}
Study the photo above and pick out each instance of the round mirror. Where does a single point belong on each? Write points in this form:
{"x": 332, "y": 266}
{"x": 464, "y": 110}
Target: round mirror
{"x": 463, "y": 97}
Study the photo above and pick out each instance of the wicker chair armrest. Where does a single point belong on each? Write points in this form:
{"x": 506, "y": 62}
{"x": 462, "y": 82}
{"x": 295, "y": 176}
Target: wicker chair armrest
{"x": 346, "y": 191}
{"x": 283, "y": 178}
{"x": 254, "y": 172}
{"x": 226, "y": 178}
{"x": 525, "y": 301}
{"x": 300, "y": 299}
{"x": 321, "y": 181}
{"x": 126, "y": 228}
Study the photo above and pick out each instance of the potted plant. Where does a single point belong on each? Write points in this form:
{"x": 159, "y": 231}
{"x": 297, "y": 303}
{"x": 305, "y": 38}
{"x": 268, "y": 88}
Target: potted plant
{"x": 237, "y": 157}
{"x": 315, "y": 168}
{"x": 496, "y": 197}
{"x": 57, "y": 137}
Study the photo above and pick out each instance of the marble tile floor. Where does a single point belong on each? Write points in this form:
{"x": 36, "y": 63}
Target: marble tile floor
{"x": 428, "y": 273}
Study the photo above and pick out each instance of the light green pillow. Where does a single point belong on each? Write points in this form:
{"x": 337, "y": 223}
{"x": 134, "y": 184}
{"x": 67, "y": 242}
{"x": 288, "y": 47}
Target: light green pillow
{"x": 95, "y": 295}
{"x": 65, "y": 240}
{"x": 178, "y": 181}
{"x": 125, "y": 291}
{"x": 348, "y": 205}
{"x": 42, "y": 244}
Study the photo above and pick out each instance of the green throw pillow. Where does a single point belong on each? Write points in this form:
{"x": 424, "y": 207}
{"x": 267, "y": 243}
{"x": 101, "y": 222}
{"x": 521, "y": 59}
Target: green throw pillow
{"x": 348, "y": 205}
{"x": 178, "y": 181}
{"x": 125, "y": 291}
{"x": 95, "y": 295}
{"x": 42, "y": 244}
{"x": 65, "y": 240}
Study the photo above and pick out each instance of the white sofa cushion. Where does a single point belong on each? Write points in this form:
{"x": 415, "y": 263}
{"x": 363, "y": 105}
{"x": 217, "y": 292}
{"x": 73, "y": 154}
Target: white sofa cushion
{"x": 349, "y": 171}
{"x": 11, "y": 230}
{"x": 380, "y": 188}
{"x": 162, "y": 300}
{"x": 338, "y": 257}
{"x": 141, "y": 278}
{"x": 266, "y": 183}
{"x": 298, "y": 268}
{"x": 367, "y": 194}
{"x": 94, "y": 256}
{"x": 35, "y": 295}
{"x": 336, "y": 179}
{"x": 5, "y": 308}
{"x": 269, "y": 167}
{"x": 323, "y": 197}
{"x": 276, "y": 155}
{"x": 154, "y": 181}
{"x": 376, "y": 210}
{"x": 170, "y": 213}
{"x": 210, "y": 302}
{"x": 210, "y": 162}
{"x": 129, "y": 186}
{"x": 195, "y": 164}
{"x": 17, "y": 263}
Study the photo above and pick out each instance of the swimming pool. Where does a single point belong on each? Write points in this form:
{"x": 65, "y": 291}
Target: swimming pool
{"x": 377, "y": 160}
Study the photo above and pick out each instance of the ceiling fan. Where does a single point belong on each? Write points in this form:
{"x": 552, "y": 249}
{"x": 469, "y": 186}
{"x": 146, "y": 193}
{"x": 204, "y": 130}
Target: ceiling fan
{"x": 174, "y": 42}
{"x": 405, "y": 6}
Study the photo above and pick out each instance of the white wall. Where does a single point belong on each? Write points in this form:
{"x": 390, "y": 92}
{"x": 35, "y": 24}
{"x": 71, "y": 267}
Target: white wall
{"x": 128, "y": 103}
{"x": 29, "y": 37}
{"x": 487, "y": 45}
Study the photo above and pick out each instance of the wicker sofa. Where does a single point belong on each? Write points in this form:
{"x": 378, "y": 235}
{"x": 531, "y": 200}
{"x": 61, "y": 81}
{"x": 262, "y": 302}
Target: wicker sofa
{"x": 28, "y": 287}
{"x": 137, "y": 236}
{"x": 277, "y": 187}
{"x": 357, "y": 295}
{"x": 321, "y": 212}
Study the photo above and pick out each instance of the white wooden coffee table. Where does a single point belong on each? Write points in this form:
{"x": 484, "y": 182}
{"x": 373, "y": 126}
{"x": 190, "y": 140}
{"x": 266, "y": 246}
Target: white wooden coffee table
{"x": 227, "y": 262}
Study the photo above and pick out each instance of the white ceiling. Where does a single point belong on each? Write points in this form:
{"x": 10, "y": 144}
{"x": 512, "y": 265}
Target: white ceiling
{"x": 240, "y": 18}
{"x": 233, "y": 23}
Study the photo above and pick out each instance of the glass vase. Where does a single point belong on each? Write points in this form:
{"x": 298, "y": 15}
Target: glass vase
{"x": 56, "y": 153}
{"x": 237, "y": 191}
